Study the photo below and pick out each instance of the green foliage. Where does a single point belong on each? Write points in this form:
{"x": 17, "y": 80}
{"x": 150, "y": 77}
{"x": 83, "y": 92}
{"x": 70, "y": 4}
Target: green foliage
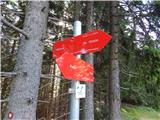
{"x": 144, "y": 88}
{"x": 140, "y": 58}
{"x": 139, "y": 113}
{"x": 152, "y": 84}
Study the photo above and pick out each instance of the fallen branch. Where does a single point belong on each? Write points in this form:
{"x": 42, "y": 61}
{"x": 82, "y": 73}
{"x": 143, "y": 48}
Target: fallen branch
{"x": 14, "y": 27}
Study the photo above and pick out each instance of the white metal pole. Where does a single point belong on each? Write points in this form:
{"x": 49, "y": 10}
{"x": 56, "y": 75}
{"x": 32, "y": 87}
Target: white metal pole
{"x": 75, "y": 102}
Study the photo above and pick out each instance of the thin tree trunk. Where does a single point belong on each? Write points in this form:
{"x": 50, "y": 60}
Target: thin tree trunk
{"x": 114, "y": 87}
{"x": 89, "y": 101}
{"x": 52, "y": 71}
{"x": 77, "y": 10}
{"x": 24, "y": 88}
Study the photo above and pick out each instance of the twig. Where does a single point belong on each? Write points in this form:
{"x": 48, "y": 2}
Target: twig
{"x": 65, "y": 114}
{"x": 7, "y": 56}
{"x": 13, "y": 74}
{"x": 124, "y": 88}
{"x": 8, "y": 74}
{"x": 14, "y": 27}
{"x": 128, "y": 74}
{"x": 42, "y": 101}
{"x": 46, "y": 76}
{"x": 5, "y": 100}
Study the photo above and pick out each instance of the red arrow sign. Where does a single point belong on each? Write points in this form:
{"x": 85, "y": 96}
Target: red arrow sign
{"x": 74, "y": 68}
{"x": 86, "y": 43}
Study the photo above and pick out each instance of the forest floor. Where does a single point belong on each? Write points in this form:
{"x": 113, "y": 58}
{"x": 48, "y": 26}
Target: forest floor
{"x": 130, "y": 112}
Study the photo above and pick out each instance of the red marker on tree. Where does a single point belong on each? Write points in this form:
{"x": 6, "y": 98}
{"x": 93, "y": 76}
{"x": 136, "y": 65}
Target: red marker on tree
{"x": 10, "y": 115}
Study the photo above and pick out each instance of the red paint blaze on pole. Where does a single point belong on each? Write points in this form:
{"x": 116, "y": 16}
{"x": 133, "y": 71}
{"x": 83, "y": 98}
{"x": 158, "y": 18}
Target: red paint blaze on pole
{"x": 74, "y": 68}
{"x": 86, "y": 43}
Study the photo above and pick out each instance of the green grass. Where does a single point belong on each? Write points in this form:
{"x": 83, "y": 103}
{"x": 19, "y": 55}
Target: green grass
{"x": 139, "y": 113}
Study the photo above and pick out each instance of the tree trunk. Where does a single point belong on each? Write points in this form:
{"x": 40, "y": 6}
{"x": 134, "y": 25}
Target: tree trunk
{"x": 77, "y": 10}
{"x": 114, "y": 87}
{"x": 24, "y": 88}
{"x": 89, "y": 101}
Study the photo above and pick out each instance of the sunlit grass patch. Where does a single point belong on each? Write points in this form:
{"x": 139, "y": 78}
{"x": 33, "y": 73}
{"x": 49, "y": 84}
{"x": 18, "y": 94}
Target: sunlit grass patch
{"x": 130, "y": 112}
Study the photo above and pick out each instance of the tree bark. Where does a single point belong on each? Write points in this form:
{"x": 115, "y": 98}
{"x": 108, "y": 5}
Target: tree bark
{"x": 89, "y": 101}
{"x": 24, "y": 88}
{"x": 114, "y": 87}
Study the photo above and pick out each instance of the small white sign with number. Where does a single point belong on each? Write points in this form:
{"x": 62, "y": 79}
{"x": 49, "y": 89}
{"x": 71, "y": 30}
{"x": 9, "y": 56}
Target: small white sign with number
{"x": 80, "y": 91}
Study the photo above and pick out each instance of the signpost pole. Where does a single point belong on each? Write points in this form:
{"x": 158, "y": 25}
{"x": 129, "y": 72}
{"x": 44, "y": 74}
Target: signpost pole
{"x": 75, "y": 102}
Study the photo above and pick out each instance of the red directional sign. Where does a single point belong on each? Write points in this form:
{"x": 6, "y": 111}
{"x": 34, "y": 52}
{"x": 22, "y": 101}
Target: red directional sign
{"x": 86, "y": 43}
{"x": 74, "y": 68}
